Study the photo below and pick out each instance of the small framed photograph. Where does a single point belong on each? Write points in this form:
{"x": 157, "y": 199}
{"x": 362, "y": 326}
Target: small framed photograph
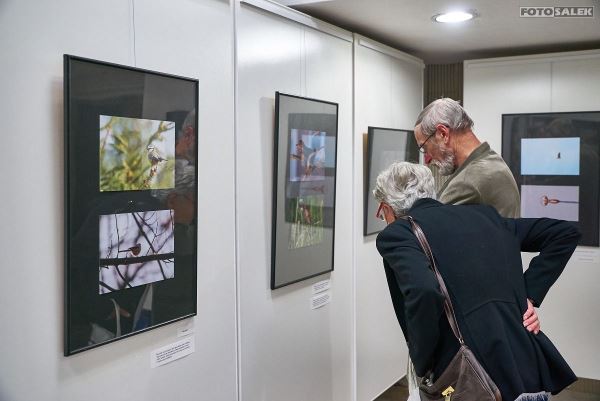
{"x": 130, "y": 201}
{"x": 555, "y": 158}
{"x": 384, "y": 146}
{"x": 303, "y": 188}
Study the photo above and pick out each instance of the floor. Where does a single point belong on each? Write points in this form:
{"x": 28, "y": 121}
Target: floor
{"x": 398, "y": 392}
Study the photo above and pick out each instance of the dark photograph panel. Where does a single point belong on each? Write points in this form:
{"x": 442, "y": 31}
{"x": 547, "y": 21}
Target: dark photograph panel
{"x": 555, "y": 158}
{"x": 131, "y": 180}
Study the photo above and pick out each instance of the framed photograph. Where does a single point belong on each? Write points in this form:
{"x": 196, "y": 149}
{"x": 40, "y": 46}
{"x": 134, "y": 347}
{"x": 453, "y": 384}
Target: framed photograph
{"x": 131, "y": 184}
{"x": 305, "y": 150}
{"x": 384, "y": 146}
{"x": 555, "y": 158}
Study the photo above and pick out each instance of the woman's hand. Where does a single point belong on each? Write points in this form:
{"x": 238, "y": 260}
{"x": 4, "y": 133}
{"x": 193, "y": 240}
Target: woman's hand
{"x": 530, "y": 319}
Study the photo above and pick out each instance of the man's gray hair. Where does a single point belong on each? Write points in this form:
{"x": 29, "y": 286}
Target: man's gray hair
{"x": 443, "y": 111}
{"x": 402, "y": 184}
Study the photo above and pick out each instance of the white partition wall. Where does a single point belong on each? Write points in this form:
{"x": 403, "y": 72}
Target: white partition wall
{"x": 251, "y": 343}
{"x": 534, "y": 84}
{"x": 190, "y": 38}
{"x": 288, "y": 351}
{"x": 388, "y": 93}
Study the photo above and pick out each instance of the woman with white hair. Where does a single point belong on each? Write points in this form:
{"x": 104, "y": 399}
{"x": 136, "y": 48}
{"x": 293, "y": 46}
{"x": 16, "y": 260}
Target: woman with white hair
{"x": 478, "y": 255}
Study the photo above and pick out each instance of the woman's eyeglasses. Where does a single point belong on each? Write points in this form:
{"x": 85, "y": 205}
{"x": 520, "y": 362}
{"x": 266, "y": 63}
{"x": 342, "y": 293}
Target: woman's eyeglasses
{"x": 380, "y": 215}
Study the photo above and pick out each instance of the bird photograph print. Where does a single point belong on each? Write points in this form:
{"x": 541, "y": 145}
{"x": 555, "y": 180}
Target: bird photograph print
{"x": 136, "y": 154}
{"x": 135, "y": 249}
{"x": 305, "y": 215}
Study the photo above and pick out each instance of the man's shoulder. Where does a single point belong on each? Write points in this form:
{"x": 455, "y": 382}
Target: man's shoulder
{"x": 489, "y": 158}
{"x": 486, "y": 180}
{"x": 490, "y": 169}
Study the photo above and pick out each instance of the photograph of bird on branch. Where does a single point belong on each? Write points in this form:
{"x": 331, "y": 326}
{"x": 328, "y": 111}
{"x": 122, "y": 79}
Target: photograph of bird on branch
{"x": 135, "y": 249}
{"x": 136, "y": 154}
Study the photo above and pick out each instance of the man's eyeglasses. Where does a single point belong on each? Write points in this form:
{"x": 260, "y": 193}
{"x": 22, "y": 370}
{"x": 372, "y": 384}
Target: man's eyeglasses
{"x": 421, "y": 149}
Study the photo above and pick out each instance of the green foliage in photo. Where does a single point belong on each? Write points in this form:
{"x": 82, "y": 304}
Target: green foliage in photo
{"x": 125, "y": 164}
{"x": 306, "y": 217}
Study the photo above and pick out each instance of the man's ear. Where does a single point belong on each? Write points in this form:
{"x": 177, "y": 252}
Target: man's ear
{"x": 444, "y": 132}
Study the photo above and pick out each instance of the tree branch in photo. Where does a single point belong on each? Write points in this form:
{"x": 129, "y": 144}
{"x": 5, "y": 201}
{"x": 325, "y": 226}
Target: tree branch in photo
{"x": 136, "y": 259}
{"x": 125, "y": 280}
{"x": 141, "y": 228}
{"x": 108, "y": 287}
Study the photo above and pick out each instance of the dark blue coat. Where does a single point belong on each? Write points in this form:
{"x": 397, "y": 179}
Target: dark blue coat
{"x": 478, "y": 254}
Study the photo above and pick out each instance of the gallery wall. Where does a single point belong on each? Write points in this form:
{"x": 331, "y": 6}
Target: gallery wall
{"x": 388, "y": 94}
{"x": 289, "y": 351}
{"x": 250, "y": 342}
{"x": 192, "y": 38}
{"x": 559, "y": 82}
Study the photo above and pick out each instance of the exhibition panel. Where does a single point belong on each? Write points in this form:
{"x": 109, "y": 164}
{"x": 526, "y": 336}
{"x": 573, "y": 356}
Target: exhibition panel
{"x": 303, "y": 188}
{"x": 131, "y": 208}
{"x": 388, "y": 92}
{"x": 288, "y": 350}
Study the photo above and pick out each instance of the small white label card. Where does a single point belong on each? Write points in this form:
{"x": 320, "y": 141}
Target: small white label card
{"x": 320, "y": 300}
{"x": 587, "y": 255}
{"x": 186, "y": 329}
{"x": 321, "y": 286}
{"x": 172, "y": 352}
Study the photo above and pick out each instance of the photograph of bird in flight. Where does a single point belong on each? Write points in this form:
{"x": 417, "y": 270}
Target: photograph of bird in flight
{"x": 136, "y": 154}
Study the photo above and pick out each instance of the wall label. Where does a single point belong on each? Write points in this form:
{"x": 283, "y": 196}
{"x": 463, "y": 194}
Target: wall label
{"x": 172, "y": 352}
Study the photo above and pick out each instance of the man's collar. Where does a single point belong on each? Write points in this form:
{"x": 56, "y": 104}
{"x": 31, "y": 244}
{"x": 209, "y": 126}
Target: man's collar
{"x": 477, "y": 152}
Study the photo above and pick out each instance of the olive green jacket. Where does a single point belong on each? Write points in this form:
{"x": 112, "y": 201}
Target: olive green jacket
{"x": 484, "y": 178}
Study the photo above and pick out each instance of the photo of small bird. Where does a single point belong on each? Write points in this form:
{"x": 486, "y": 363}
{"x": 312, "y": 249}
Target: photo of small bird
{"x": 135, "y": 250}
{"x": 154, "y": 156}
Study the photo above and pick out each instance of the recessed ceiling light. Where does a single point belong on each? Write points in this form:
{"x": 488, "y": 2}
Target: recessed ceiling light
{"x": 453, "y": 17}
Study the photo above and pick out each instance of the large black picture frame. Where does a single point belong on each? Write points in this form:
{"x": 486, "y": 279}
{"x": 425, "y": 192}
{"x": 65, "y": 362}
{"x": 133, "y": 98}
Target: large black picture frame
{"x": 384, "y": 146}
{"x": 555, "y": 159}
{"x": 131, "y": 184}
{"x": 304, "y": 183}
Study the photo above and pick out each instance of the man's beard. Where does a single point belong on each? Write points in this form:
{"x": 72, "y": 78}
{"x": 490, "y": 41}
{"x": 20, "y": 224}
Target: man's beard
{"x": 446, "y": 165}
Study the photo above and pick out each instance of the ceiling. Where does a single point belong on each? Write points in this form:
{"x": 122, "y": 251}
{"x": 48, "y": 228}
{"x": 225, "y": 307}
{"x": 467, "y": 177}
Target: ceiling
{"x": 498, "y": 31}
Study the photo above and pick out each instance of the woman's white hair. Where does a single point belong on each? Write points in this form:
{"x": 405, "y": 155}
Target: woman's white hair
{"x": 402, "y": 184}
{"x": 443, "y": 111}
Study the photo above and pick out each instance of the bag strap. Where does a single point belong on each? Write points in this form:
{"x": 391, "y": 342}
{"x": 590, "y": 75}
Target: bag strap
{"x": 448, "y": 308}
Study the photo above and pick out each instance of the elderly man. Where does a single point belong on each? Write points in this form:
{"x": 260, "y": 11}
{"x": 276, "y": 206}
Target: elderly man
{"x": 444, "y": 132}
{"x": 478, "y": 254}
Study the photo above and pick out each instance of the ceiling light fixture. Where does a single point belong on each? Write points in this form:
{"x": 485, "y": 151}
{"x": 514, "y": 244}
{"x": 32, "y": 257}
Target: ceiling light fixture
{"x": 454, "y": 17}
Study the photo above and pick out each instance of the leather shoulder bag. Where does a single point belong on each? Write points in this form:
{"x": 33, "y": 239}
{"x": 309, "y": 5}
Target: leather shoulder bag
{"x": 464, "y": 379}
